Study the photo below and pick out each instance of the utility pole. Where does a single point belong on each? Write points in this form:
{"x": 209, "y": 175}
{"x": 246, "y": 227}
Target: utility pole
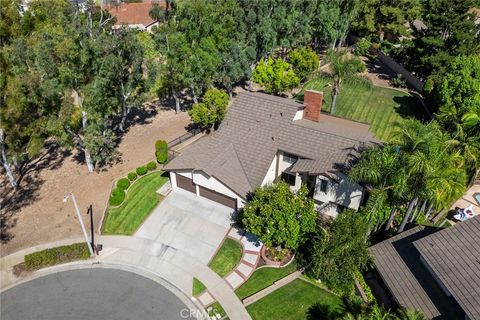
{"x": 79, "y": 216}
{"x": 92, "y": 233}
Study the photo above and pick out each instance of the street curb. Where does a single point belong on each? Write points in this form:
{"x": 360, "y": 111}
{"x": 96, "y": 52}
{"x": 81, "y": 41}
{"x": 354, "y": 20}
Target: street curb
{"x": 92, "y": 264}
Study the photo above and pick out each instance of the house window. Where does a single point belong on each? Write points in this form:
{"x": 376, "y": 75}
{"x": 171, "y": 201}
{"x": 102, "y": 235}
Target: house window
{"x": 323, "y": 185}
{"x": 289, "y": 158}
{"x": 289, "y": 178}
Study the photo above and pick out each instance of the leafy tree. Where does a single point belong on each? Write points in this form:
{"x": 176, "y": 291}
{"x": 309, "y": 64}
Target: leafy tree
{"x": 280, "y": 217}
{"x": 336, "y": 254}
{"x": 332, "y": 19}
{"x": 303, "y": 61}
{"x": 211, "y": 110}
{"x": 449, "y": 31}
{"x": 391, "y": 18}
{"x": 275, "y": 75}
{"x": 459, "y": 114}
{"x": 342, "y": 66}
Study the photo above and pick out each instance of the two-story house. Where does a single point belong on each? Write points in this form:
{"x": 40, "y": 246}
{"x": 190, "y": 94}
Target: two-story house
{"x": 264, "y": 138}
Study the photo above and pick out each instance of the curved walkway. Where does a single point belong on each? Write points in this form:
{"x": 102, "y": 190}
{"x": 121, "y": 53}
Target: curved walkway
{"x": 251, "y": 257}
{"x": 173, "y": 265}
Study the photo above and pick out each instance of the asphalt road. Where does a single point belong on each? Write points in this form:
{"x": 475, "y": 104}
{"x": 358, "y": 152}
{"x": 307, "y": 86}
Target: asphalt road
{"x": 91, "y": 294}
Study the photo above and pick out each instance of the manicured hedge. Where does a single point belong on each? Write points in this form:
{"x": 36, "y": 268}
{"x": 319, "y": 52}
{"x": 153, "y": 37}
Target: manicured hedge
{"x": 151, "y": 165}
{"x": 132, "y": 176}
{"x": 161, "y": 151}
{"x": 141, "y": 170}
{"x": 53, "y": 256}
{"x": 117, "y": 197}
{"x": 123, "y": 183}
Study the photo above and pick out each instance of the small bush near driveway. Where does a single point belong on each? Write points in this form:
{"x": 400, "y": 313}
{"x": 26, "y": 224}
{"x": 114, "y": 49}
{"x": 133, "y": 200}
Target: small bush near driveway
{"x": 132, "y": 176}
{"x": 123, "y": 183}
{"x": 141, "y": 170}
{"x": 53, "y": 256}
{"x": 151, "y": 166}
{"x": 161, "y": 151}
{"x": 117, "y": 197}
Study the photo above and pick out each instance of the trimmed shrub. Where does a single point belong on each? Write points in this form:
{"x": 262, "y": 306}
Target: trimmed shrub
{"x": 161, "y": 151}
{"x": 141, "y": 170}
{"x": 123, "y": 183}
{"x": 117, "y": 197}
{"x": 132, "y": 176}
{"x": 53, "y": 256}
{"x": 362, "y": 46}
{"x": 151, "y": 165}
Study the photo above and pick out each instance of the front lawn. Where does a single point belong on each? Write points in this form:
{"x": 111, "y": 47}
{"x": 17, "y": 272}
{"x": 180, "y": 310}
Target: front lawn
{"x": 263, "y": 278}
{"x": 140, "y": 200}
{"x": 227, "y": 257}
{"x": 57, "y": 255}
{"x": 296, "y": 301}
{"x": 381, "y": 107}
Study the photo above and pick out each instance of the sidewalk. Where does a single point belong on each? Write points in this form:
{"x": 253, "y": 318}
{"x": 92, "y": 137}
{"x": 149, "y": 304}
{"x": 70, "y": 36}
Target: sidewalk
{"x": 174, "y": 266}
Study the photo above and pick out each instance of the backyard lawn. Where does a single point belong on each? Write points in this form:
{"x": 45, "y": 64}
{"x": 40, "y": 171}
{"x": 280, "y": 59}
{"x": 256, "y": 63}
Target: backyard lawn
{"x": 381, "y": 107}
{"x": 263, "y": 278}
{"x": 140, "y": 200}
{"x": 227, "y": 257}
{"x": 296, "y": 301}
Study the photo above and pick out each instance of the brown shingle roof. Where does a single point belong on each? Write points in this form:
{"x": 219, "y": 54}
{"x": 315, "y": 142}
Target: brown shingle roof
{"x": 133, "y": 13}
{"x": 257, "y": 126}
{"x": 454, "y": 256}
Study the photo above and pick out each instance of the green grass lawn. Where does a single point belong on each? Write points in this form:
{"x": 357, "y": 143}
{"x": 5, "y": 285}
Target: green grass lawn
{"x": 263, "y": 278}
{"x": 198, "y": 287}
{"x": 227, "y": 257}
{"x": 140, "y": 200}
{"x": 296, "y": 301}
{"x": 381, "y": 107}
{"x": 217, "y": 309}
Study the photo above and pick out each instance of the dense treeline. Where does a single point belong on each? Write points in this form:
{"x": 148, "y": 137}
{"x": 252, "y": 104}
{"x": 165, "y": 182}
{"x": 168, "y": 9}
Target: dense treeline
{"x": 66, "y": 74}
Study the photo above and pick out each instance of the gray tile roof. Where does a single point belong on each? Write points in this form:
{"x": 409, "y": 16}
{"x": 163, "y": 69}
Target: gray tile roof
{"x": 412, "y": 285}
{"x": 454, "y": 256}
{"x": 257, "y": 126}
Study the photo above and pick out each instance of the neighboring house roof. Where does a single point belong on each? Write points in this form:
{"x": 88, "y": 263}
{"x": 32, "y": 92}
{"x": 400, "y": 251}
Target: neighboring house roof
{"x": 454, "y": 255}
{"x": 393, "y": 259}
{"x": 256, "y": 126}
{"x": 132, "y": 14}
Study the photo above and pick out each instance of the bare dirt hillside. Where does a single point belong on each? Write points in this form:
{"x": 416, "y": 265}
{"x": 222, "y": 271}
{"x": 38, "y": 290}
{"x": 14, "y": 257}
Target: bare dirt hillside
{"x": 38, "y": 215}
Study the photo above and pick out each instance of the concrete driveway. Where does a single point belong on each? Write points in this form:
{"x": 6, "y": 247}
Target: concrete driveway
{"x": 185, "y": 222}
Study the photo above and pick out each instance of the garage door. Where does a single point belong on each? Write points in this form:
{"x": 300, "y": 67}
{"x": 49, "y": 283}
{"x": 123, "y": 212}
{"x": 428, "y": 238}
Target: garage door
{"x": 218, "y": 197}
{"x": 185, "y": 183}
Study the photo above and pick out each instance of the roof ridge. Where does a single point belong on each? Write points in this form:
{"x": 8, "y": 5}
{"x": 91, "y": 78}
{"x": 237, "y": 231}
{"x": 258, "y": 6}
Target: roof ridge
{"x": 277, "y": 99}
{"x": 241, "y": 166}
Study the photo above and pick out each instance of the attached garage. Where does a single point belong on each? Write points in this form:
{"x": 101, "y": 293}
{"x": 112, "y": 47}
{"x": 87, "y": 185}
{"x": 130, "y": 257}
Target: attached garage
{"x": 218, "y": 197}
{"x": 185, "y": 183}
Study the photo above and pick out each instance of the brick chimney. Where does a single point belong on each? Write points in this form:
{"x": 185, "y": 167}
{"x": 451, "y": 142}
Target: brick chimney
{"x": 313, "y": 105}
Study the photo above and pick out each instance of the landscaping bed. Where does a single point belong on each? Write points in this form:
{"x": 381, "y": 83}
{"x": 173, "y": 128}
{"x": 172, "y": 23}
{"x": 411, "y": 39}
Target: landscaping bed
{"x": 140, "y": 199}
{"x": 296, "y": 301}
{"x": 53, "y": 256}
{"x": 381, "y": 107}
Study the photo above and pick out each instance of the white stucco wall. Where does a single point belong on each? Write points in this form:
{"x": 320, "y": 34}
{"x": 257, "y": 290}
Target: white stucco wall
{"x": 345, "y": 193}
{"x": 173, "y": 180}
{"x": 282, "y": 164}
{"x": 271, "y": 173}
{"x": 331, "y": 210}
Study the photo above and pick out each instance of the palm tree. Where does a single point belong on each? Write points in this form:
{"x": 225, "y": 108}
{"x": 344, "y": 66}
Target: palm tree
{"x": 435, "y": 172}
{"x": 380, "y": 169}
{"x": 342, "y": 67}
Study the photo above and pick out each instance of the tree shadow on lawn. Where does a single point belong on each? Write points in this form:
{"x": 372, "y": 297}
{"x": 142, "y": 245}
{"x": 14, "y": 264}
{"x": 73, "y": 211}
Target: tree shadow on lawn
{"x": 324, "y": 312}
{"x": 411, "y": 107}
{"x": 29, "y": 182}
